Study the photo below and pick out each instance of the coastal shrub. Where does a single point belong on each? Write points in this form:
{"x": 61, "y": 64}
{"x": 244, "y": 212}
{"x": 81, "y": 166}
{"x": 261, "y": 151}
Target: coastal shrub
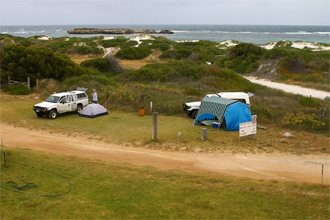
{"x": 275, "y": 53}
{"x": 106, "y": 64}
{"x": 170, "y": 54}
{"x": 74, "y": 80}
{"x": 285, "y": 44}
{"x": 100, "y": 63}
{"x": 37, "y": 63}
{"x": 128, "y": 44}
{"x": 134, "y": 53}
{"x": 195, "y": 51}
{"x": 222, "y": 62}
{"x": 264, "y": 113}
{"x": 245, "y": 49}
{"x": 291, "y": 65}
{"x": 244, "y": 57}
{"x": 245, "y": 64}
{"x": 206, "y": 55}
{"x": 309, "y": 101}
{"x": 83, "y": 50}
{"x": 179, "y": 54}
{"x": 113, "y": 64}
{"x": 18, "y": 89}
{"x": 82, "y": 41}
{"x": 150, "y": 74}
{"x": 25, "y": 42}
{"x": 303, "y": 121}
{"x": 61, "y": 47}
{"x": 185, "y": 45}
{"x": 162, "y": 45}
{"x": 116, "y": 42}
{"x": 105, "y": 81}
{"x": 193, "y": 91}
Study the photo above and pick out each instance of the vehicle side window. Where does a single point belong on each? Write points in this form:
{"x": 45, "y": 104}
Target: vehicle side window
{"x": 69, "y": 98}
{"x": 241, "y": 100}
{"x": 74, "y": 98}
{"x": 81, "y": 95}
{"x": 63, "y": 100}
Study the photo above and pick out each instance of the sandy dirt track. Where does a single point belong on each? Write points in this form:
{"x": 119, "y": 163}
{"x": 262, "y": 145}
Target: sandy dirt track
{"x": 277, "y": 167}
{"x": 290, "y": 88}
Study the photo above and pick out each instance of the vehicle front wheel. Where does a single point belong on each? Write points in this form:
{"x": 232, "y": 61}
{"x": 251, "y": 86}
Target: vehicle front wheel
{"x": 79, "y": 109}
{"x": 194, "y": 114}
{"x": 52, "y": 114}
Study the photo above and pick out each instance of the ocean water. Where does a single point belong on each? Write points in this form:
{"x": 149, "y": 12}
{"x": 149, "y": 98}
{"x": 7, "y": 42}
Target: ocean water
{"x": 257, "y": 34}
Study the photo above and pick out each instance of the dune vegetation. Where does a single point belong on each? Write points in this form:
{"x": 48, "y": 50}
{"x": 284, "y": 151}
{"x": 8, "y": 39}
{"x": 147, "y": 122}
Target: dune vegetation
{"x": 172, "y": 73}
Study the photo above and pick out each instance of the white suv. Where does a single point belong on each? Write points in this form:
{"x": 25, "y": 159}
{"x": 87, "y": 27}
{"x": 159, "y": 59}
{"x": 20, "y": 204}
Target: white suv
{"x": 62, "y": 102}
{"x": 191, "y": 108}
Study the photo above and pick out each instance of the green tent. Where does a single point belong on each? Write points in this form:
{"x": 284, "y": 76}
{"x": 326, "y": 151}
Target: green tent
{"x": 212, "y": 107}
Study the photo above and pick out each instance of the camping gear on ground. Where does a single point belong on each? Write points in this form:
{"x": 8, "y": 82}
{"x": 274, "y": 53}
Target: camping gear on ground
{"x": 93, "y": 110}
{"x": 141, "y": 112}
{"x": 235, "y": 114}
{"x": 216, "y": 124}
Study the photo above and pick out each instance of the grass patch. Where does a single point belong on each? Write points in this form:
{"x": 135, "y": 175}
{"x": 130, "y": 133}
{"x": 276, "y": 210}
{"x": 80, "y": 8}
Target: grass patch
{"x": 102, "y": 190}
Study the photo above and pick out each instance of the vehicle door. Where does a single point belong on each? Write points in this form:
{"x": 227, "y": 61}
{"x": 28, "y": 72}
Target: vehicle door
{"x": 64, "y": 104}
{"x": 73, "y": 102}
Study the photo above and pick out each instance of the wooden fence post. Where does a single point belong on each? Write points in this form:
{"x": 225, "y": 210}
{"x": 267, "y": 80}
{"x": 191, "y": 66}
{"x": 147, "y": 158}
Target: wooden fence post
{"x": 37, "y": 85}
{"x": 28, "y": 83}
{"x": 179, "y": 136}
{"x": 204, "y": 134}
{"x": 9, "y": 81}
{"x": 154, "y": 124}
{"x": 322, "y": 176}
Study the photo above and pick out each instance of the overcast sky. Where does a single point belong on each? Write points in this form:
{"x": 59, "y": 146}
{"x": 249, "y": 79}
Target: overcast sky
{"x": 75, "y": 12}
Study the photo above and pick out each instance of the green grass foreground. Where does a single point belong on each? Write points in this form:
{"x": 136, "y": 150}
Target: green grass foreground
{"x": 104, "y": 190}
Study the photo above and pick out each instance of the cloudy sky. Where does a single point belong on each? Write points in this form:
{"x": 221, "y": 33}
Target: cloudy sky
{"x": 74, "y": 12}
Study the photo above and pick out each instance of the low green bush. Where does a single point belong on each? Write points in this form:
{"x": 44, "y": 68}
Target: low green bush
{"x": 303, "y": 121}
{"x": 99, "y": 63}
{"x": 193, "y": 91}
{"x": 103, "y": 80}
{"x": 244, "y": 58}
{"x": 25, "y": 42}
{"x": 133, "y": 53}
{"x": 309, "y": 101}
{"x": 150, "y": 74}
{"x": 83, "y": 50}
{"x": 17, "y": 89}
{"x": 116, "y": 42}
{"x": 62, "y": 46}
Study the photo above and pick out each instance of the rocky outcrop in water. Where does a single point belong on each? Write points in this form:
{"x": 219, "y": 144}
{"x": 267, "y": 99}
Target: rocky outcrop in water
{"x": 115, "y": 31}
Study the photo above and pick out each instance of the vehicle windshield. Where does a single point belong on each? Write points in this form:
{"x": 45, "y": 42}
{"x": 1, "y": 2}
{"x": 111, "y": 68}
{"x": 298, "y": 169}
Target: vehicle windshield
{"x": 52, "y": 99}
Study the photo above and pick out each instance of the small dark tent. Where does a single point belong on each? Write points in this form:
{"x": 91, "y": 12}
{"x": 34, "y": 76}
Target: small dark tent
{"x": 93, "y": 111}
{"x": 235, "y": 114}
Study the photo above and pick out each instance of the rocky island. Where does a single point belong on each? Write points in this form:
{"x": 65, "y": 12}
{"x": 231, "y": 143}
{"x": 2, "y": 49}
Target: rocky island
{"x": 115, "y": 31}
